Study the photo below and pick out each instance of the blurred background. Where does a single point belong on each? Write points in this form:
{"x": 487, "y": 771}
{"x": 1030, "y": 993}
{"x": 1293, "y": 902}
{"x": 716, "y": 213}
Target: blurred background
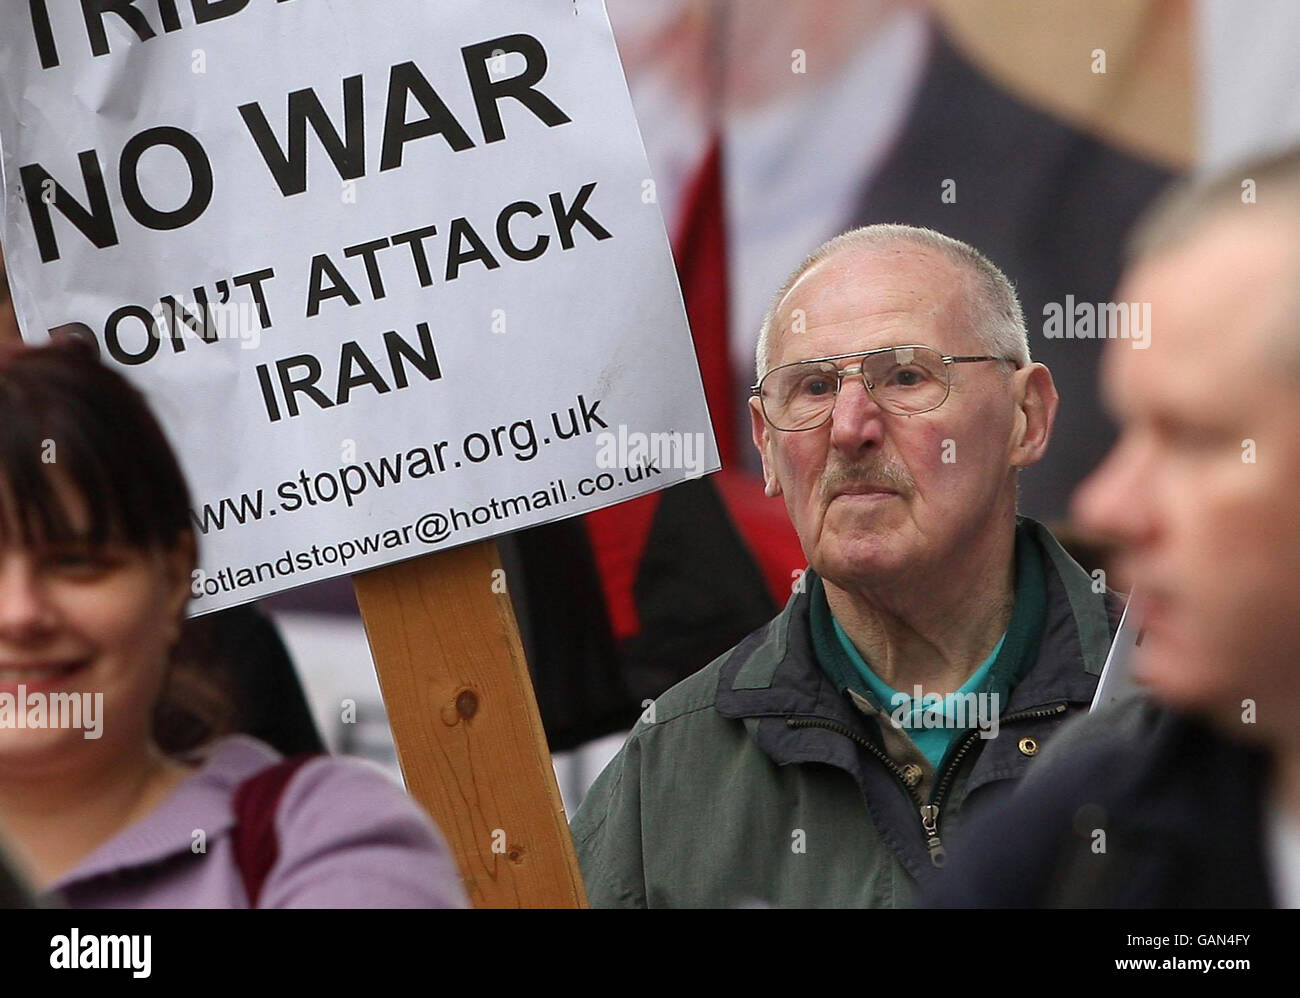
{"x": 1035, "y": 131}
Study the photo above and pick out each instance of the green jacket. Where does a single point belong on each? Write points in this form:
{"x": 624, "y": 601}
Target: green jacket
{"x": 756, "y": 782}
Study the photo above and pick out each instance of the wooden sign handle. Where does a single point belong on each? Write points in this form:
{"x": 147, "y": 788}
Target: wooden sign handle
{"x": 469, "y": 737}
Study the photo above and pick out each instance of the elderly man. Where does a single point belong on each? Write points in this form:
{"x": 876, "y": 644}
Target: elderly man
{"x": 931, "y": 649}
{"x": 1192, "y": 798}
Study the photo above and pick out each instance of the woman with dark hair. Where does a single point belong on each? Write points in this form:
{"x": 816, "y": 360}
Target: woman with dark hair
{"x": 96, "y": 558}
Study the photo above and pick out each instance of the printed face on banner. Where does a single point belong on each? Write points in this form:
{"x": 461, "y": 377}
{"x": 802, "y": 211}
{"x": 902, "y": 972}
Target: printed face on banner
{"x": 390, "y": 284}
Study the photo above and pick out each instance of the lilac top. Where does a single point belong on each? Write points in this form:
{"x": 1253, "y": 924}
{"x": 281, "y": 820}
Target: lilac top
{"x": 348, "y": 838}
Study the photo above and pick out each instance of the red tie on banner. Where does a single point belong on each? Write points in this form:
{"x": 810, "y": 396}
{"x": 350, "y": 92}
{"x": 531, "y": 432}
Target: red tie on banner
{"x": 618, "y": 534}
{"x": 701, "y": 254}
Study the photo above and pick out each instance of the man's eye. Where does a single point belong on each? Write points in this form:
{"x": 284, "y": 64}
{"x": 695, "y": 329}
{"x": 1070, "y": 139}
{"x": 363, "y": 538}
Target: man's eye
{"x": 817, "y": 387}
{"x": 907, "y": 377}
{"x": 1186, "y": 436}
{"x": 1203, "y": 441}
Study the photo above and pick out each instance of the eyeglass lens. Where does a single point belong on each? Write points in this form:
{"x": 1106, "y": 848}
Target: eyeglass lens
{"x": 903, "y": 380}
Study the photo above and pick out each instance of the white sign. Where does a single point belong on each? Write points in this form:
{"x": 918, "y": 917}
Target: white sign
{"x": 1117, "y": 682}
{"x": 389, "y": 273}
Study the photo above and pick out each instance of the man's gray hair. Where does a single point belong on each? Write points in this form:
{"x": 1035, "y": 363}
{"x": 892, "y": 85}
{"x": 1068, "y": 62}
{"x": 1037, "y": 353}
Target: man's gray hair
{"x": 992, "y": 310}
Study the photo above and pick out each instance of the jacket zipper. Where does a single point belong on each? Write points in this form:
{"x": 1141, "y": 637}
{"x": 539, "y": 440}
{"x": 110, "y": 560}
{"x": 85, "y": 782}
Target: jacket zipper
{"x": 929, "y": 811}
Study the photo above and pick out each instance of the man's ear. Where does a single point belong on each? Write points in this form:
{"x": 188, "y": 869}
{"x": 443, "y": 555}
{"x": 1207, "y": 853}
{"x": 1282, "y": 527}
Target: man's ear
{"x": 761, "y": 431}
{"x": 1036, "y": 404}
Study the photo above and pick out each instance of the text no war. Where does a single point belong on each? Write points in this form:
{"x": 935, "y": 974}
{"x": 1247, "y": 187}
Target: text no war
{"x": 53, "y": 205}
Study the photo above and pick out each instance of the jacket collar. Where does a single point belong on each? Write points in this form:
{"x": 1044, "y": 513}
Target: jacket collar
{"x": 774, "y": 672}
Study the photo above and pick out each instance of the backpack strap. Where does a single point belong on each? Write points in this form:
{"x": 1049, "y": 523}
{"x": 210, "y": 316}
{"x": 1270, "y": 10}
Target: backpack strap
{"x": 255, "y": 803}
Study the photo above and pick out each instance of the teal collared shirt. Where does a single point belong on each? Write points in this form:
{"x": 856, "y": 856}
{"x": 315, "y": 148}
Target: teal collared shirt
{"x": 935, "y": 726}
{"x": 932, "y": 722}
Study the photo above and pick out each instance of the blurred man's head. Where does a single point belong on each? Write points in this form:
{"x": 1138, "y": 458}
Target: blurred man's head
{"x": 879, "y": 496}
{"x": 1203, "y": 488}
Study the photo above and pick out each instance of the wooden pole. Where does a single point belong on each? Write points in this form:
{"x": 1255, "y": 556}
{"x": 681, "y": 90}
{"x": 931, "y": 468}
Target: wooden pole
{"x": 469, "y": 737}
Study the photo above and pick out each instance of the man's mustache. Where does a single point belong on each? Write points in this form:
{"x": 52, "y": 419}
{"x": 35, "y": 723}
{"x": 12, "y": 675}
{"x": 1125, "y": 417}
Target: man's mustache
{"x": 885, "y": 473}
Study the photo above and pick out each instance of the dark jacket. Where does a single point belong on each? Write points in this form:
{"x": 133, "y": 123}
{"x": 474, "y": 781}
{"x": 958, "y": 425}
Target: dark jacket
{"x": 756, "y": 781}
{"x": 1136, "y": 807}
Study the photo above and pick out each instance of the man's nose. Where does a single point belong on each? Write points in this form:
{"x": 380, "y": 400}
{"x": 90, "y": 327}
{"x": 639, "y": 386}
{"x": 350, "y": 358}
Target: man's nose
{"x": 25, "y": 606}
{"x": 1116, "y": 500}
{"x": 856, "y": 420}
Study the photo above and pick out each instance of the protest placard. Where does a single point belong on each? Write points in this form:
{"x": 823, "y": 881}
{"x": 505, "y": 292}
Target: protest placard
{"x": 394, "y": 278}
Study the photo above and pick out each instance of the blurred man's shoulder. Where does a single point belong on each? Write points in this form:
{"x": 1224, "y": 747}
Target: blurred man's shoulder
{"x": 1096, "y": 738}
